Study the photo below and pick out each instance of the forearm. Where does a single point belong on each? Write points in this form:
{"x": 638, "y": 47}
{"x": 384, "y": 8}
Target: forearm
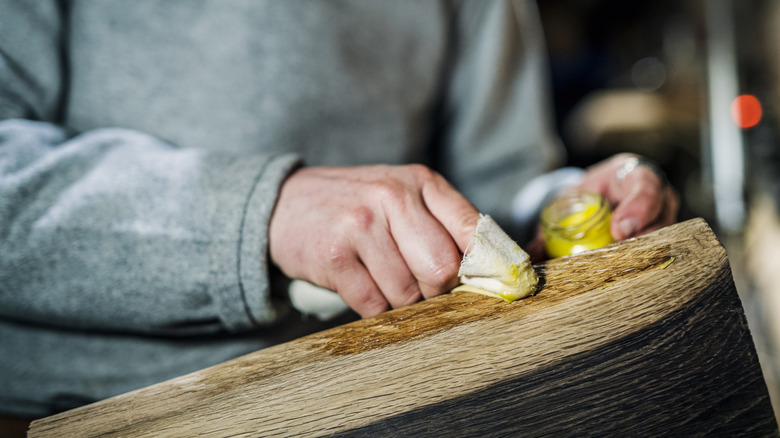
{"x": 117, "y": 229}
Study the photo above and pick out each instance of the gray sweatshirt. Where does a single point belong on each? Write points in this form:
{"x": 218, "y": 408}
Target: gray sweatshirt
{"x": 143, "y": 143}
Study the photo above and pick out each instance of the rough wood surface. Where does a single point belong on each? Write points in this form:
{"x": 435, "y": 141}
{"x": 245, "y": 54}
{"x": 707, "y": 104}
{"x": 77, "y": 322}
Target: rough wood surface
{"x": 646, "y": 337}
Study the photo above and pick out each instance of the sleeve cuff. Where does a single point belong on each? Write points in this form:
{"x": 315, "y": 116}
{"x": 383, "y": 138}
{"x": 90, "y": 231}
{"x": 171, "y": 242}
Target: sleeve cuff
{"x": 240, "y": 273}
{"x": 529, "y": 201}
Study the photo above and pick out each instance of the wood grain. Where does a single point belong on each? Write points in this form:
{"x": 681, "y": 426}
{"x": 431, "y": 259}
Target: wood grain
{"x": 644, "y": 337}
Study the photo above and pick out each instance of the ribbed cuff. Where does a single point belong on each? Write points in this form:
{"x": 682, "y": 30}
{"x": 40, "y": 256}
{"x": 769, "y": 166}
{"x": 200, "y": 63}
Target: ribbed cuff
{"x": 240, "y": 282}
{"x": 529, "y": 201}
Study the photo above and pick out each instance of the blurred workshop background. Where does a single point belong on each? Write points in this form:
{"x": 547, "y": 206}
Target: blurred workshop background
{"x": 695, "y": 86}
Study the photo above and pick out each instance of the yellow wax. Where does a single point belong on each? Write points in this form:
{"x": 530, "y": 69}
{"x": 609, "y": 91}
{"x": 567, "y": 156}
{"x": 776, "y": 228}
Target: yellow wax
{"x": 579, "y": 217}
{"x": 583, "y": 225}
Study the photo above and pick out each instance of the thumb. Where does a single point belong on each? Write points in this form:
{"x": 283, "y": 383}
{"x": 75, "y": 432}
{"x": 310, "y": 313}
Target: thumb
{"x": 458, "y": 216}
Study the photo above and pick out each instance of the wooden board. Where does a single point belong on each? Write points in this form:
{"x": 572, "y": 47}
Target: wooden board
{"x": 645, "y": 337}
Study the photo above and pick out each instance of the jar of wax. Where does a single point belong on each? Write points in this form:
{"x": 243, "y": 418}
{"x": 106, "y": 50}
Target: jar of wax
{"x": 576, "y": 220}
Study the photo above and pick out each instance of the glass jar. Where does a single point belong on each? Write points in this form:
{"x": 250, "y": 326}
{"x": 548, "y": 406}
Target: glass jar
{"x": 576, "y": 220}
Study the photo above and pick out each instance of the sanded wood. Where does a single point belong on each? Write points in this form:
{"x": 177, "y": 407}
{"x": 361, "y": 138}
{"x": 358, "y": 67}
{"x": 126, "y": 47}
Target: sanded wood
{"x": 645, "y": 337}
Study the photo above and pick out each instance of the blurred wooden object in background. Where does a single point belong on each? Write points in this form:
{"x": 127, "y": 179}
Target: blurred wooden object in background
{"x": 762, "y": 272}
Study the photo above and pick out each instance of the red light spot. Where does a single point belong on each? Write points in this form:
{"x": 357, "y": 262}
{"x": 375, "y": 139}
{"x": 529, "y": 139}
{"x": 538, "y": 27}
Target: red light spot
{"x": 746, "y": 111}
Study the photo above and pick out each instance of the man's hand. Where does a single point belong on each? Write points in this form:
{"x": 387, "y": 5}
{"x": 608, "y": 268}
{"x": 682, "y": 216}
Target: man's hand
{"x": 641, "y": 199}
{"x": 640, "y": 196}
{"x": 381, "y": 236}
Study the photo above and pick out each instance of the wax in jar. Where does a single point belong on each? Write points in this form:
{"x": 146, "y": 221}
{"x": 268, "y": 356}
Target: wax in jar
{"x": 576, "y": 221}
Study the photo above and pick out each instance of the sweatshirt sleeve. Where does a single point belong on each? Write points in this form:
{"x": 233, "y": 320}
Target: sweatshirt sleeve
{"x": 115, "y": 229}
{"x": 496, "y": 109}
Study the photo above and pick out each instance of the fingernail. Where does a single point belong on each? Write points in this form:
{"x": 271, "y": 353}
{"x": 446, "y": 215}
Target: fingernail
{"x": 628, "y": 227}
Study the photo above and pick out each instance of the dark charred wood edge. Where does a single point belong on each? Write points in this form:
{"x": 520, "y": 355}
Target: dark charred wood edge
{"x": 695, "y": 373}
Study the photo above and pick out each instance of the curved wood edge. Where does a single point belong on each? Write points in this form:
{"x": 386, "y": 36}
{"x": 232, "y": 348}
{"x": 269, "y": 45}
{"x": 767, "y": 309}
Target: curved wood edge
{"x": 420, "y": 362}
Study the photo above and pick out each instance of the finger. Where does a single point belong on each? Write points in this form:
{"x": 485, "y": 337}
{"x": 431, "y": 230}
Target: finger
{"x": 426, "y": 246}
{"x": 457, "y": 215}
{"x": 642, "y": 204}
{"x": 386, "y": 265}
{"x": 535, "y": 248}
{"x": 431, "y": 225}
{"x": 429, "y": 251}
{"x": 669, "y": 214}
{"x": 672, "y": 206}
{"x": 356, "y": 287}
{"x": 601, "y": 177}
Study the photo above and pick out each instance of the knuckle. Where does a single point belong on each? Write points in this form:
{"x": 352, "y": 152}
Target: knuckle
{"x": 372, "y": 306}
{"x": 420, "y": 169}
{"x": 360, "y": 218}
{"x": 339, "y": 256}
{"x": 389, "y": 190}
{"x": 423, "y": 173}
{"x": 443, "y": 274}
{"x": 466, "y": 223}
{"x": 393, "y": 194}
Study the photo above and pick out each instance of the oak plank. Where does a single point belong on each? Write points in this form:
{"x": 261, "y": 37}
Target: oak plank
{"x": 645, "y": 337}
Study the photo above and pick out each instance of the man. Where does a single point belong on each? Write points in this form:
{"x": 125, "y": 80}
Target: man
{"x": 167, "y": 166}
